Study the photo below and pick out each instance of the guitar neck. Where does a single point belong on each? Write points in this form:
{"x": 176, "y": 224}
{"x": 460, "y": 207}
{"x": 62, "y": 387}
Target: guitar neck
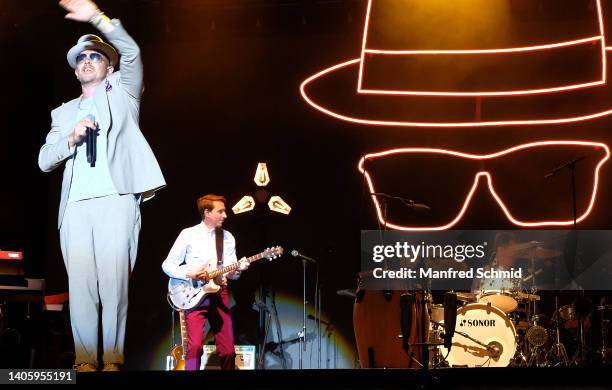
{"x": 233, "y": 267}
{"x": 183, "y": 333}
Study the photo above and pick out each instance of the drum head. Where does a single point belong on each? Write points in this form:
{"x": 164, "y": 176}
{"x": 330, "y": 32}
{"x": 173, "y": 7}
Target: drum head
{"x": 490, "y": 326}
{"x": 502, "y": 300}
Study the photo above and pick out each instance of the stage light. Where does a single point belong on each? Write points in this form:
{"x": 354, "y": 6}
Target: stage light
{"x": 277, "y": 204}
{"x": 262, "y": 177}
{"x": 247, "y": 203}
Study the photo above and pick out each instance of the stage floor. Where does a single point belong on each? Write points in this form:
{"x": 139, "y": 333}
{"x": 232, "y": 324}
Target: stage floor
{"x": 456, "y": 378}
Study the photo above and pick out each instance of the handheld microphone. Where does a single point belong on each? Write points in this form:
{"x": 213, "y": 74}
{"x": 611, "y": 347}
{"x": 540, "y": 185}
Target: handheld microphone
{"x": 90, "y": 140}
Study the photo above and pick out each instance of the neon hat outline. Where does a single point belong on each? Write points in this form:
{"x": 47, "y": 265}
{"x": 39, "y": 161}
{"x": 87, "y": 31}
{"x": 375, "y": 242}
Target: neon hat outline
{"x": 362, "y": 105}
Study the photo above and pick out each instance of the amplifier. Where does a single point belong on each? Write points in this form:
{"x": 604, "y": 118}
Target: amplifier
{"x": 245, "y": 357}
{"x": 11, "y": 263}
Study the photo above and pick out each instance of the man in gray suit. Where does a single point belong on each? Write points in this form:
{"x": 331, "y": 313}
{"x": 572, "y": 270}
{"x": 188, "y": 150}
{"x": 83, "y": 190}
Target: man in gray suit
{"x": 107, "y": 174}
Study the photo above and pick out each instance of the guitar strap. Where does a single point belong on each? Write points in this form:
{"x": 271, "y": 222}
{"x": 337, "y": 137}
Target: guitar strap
{"x": 219, "y": 245}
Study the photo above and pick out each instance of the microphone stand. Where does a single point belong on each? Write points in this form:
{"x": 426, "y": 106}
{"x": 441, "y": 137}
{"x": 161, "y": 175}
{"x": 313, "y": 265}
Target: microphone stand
{"x": 319, "y": 322}
{"x": 424, "y": 300}
{"x": 571, "y": 165}
{"x": 302, "y": 334}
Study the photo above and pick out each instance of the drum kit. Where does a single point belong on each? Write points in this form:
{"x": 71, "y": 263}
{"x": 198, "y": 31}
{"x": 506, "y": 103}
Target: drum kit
{"x": 501, "y": 327}
{"x": 497, "y": 328}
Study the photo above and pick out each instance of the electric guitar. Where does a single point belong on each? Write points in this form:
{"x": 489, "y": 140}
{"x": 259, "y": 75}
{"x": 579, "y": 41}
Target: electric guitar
{"x": 179, "y": 353}
{"x": 187, "y": 294}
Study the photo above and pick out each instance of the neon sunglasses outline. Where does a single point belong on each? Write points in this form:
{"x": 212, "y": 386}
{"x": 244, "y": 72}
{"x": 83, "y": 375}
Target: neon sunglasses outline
{"x": 487, "y": 176}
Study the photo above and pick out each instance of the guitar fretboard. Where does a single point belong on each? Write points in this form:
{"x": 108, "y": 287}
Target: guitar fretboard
{"x": 234, "y": 267}
{"x": 183, "y": 333}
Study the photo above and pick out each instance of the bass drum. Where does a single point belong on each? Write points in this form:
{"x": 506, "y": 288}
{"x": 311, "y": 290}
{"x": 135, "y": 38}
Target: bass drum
{"x": 377, "y": 325}
{"x": 490, "y": 326}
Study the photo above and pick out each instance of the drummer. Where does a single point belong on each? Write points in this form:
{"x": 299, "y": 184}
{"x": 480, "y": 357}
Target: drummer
{"x": 504, "y": 259}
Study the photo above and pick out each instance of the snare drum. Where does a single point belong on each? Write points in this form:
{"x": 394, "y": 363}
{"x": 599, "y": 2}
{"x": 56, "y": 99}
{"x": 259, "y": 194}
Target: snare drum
{"x": 502, "y": 299}
{"x": 490, "y": 326}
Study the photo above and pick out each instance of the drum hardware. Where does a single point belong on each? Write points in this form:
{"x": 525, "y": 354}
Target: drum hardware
{"x": 494, "y": 347}
{"x": 582, "y": 308}
{"x": 603, "y": 352}
{"x": 557, "y": 352}
{"x": 537, "y": 336}
{"x": 522, "y": 351}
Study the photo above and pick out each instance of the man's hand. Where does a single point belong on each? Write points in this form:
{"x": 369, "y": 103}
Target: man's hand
{"x": 80, "y": 130}
{"x": 244, "y": 264}
{"x": 197, "y": 273}
{"x": 79, "y": 10}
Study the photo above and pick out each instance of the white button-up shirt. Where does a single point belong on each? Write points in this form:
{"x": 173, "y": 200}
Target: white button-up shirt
{"x": 195, "y": 246}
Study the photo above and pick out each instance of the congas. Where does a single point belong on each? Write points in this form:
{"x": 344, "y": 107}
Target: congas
{"x": 491, "y": 327}
{"x": 377, "y": 326}
{"x": 437, "y": 313}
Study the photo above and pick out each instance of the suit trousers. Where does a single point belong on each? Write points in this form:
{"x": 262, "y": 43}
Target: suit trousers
{"x": 99, "y": 240}
{"x": 215, "y": 308}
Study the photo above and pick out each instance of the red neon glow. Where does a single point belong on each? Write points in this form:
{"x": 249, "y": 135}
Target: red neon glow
{"x": 550, "y": 46}
{"x": 487, "y": 176}
{"x": 603, "y": 39}
{"x": 486, "y": 51}
{"x": 366, "y": 121}
{"x": 378, "y": 122}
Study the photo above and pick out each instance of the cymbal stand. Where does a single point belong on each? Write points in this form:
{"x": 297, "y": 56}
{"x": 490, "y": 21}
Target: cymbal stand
{"x": 519, "y": 359}
{"x": 558, "y": 349}
{"x": 605, "y": 356}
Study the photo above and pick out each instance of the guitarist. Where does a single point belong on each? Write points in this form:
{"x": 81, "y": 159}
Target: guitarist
{"x": 195, "y": 249}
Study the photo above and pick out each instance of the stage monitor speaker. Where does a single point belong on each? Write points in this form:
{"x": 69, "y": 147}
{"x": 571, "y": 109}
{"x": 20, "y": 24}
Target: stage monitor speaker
{"x": 245, "y": 358}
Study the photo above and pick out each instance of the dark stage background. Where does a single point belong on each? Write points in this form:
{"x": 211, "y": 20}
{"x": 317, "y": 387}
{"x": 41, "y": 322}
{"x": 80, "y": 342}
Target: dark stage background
{"x": 222, "y": 93}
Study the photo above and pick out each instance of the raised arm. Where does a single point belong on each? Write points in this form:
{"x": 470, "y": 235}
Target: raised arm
{"x": 130, "y": 62}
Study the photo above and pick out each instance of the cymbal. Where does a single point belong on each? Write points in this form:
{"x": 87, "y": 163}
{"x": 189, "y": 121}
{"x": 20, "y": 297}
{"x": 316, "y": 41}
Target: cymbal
{"x": 521, "y": 296}
{"x": 533, "y": 250}
{"x": 466, "y": 296}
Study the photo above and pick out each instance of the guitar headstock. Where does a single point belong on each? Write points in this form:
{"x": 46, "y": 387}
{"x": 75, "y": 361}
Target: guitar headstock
{"x": 273, "y": 253}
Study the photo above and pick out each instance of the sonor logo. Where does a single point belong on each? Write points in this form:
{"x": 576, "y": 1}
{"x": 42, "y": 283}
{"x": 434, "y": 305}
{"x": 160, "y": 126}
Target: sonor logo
{"x": 473, "y": 323}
